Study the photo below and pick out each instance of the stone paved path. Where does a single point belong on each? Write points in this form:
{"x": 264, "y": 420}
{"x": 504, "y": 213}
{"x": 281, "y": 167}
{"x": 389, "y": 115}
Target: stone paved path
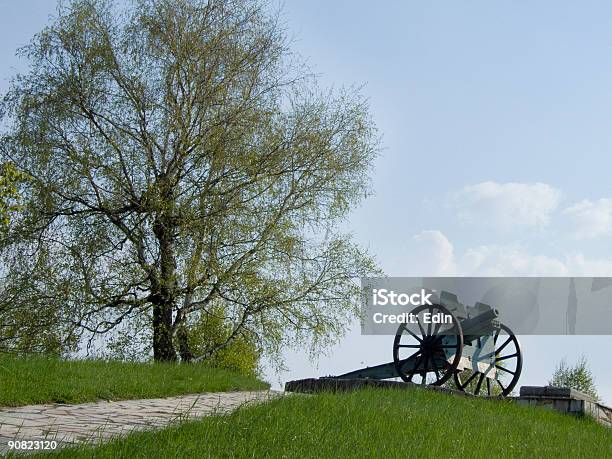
{"x": 69, "y": 424}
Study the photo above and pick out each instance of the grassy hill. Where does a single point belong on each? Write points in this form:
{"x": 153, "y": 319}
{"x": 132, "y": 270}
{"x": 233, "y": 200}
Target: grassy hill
{"x": 32, "y": 380}
{"x": 372, "y": 423}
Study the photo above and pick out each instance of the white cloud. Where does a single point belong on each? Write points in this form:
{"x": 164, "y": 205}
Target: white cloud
{"x": 507, "y": 205}
{"x": 500, "y": 260}
{"x": 591, "y": 218}
{"x": 579, "y": 265}
{"x": 434, "y": 255}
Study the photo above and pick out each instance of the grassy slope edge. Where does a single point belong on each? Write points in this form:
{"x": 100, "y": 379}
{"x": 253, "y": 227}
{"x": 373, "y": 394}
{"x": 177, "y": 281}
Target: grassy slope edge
{"x": 33, "y": 380}
{"x": 371, "y": 423}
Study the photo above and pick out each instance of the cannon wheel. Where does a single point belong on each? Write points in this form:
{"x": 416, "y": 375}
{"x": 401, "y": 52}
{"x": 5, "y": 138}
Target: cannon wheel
{"x": 426, "y": 349}
{"x": 508, "y": 361}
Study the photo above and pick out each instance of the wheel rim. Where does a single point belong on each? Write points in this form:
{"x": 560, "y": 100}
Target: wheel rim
{"x": 428, "y": 348}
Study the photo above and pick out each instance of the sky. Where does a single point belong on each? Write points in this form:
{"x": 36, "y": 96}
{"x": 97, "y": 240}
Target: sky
{"x": 496, "y": 133}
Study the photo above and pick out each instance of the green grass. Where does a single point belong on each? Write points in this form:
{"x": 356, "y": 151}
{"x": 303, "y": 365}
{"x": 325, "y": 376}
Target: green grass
{"x": 32, "y": 380}
{"x": 371, "y": 423}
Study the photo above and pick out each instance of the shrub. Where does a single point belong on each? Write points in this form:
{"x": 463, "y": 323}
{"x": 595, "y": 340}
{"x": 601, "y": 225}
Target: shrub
{"x": 211, "y": 330}
{"x": 577, "y": 377}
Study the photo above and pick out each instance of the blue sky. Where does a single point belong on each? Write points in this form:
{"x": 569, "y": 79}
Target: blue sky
{"x": 496, "y": 123}
{"x": 496, "y": 120}
{"x": 471, "y": 92}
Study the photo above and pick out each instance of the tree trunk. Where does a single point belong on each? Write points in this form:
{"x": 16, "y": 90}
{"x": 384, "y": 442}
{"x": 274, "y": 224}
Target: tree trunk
{"x": 183, "y": 343}
{"x": 164, "y": 298}
{"x": 163, "y": 347}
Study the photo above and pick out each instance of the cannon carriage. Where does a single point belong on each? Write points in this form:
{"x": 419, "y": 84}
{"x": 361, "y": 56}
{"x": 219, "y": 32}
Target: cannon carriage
{"x": 479, "y": 353}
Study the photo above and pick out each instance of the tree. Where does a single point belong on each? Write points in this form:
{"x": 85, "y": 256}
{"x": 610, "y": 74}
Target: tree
{"x": 183, "y": 163}
{"x": 10, "y": 178}
{"x": 577, "y": 377}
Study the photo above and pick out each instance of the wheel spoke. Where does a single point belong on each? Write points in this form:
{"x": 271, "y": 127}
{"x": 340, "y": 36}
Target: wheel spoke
{"x": 416, "y": 367}
{"x": 489, "y": 387}
{"x": 504, "y": 345}
{"x": 420, "y": 326}
{"x": 413, "y": 334}
{"x": 469, "y": 380}
{"x": 477, "y": 391}
{"x": 501, "y": 385}
{"x": 417, "y": 346}
{"x": 436, "y": 329}
{"x": 413, "y": 355}
{"x": 505, "y": 369}
{"x": 506, "y": 357}
{"x": 434, "y": 366}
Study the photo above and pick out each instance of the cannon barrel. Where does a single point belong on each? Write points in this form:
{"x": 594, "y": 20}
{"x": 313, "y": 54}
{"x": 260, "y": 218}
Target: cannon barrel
{"x": 482, "y": 324}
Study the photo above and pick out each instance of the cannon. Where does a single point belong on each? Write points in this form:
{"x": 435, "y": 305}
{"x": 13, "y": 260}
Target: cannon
{"x": 481, "y": 354}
